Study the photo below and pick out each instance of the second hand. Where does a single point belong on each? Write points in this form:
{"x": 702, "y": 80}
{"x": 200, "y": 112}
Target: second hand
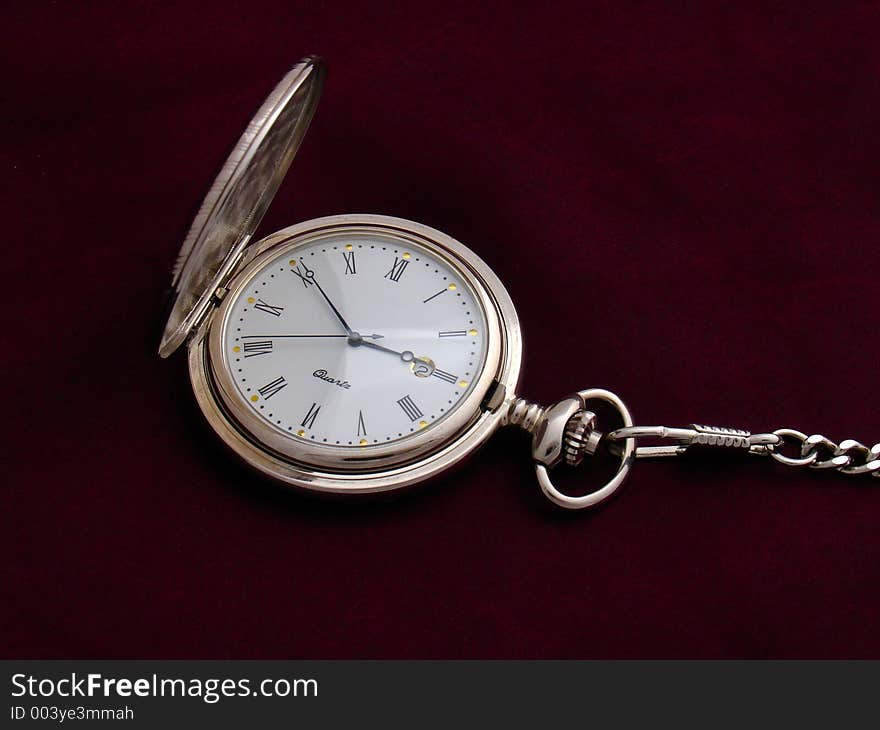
{"x": 277, "y": 337}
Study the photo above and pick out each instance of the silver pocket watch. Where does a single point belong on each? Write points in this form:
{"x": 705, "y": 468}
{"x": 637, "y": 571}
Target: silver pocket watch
{"x": 357, "y": 354}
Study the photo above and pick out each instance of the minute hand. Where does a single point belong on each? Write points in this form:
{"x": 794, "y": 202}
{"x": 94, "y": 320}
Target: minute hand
{"x": 310, "y": 276}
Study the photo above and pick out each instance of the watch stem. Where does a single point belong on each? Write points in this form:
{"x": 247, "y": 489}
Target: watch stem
{"x": 581, "y": 437}
{"x": 523, "y": 413}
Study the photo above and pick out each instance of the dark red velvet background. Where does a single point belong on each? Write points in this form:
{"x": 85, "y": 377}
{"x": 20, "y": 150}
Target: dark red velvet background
{"x": 682, "y": 200}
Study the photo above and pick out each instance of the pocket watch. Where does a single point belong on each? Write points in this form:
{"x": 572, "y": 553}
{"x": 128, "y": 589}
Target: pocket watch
{"x": 359, "y": 353}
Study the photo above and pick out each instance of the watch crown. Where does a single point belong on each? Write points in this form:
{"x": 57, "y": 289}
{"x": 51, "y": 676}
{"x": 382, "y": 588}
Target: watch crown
{"x": 580, "y": 438}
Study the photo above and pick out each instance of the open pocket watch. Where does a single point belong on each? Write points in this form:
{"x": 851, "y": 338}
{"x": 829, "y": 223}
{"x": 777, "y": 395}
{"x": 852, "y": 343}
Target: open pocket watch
{"x": 358, "y": 353}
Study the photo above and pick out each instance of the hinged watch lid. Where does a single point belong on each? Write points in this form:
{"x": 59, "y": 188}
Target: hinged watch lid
{"x": 239, "y": 197}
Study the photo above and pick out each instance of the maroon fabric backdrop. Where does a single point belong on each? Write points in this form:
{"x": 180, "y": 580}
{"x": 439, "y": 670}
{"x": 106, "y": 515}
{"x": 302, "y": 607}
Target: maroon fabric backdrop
{"x": 682, "y": 200}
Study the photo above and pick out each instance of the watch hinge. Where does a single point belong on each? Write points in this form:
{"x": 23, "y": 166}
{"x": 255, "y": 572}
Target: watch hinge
{"x": 219, "y": 293}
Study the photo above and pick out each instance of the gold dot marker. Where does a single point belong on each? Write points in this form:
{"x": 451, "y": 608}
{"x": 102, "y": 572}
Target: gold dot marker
{"x": 407, "y": 256}
{"x": 300, "y": 433}
{"x": 236, "y": 349}
{"x": 349, "y": 247}
{"x": 452, "y": 287}
{"x": 292, "y": 262}
{"x": 363, "y": 442}
{"x": 423, "y": 424}
{"x": 251, "y": 300}
{"x": 463, "y": 383}
{"x": 472, "y": 333}
{"x": 255, "y": 398}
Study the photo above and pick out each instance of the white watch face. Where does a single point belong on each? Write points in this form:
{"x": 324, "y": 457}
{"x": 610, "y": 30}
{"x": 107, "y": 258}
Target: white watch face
{"x": 355, "y": 340}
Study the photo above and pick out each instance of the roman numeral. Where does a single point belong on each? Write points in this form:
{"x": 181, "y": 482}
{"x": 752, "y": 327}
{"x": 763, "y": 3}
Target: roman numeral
{"x": 362, "y": 427}
{"x": 308, "y": 278}
{"x": 257, "y": 347}
{"x": 452, "y": 333}
{"x": 309, "y": 420}
{"x": 349, "y": 262}
{"x": 410, "y": 408}
{"x": 268, "y": 308}
{"x": 425, "y": 301}
{"x": 397, "y": 269}
{"x": 443, "y": 375}
{"x": 270, "y": 389}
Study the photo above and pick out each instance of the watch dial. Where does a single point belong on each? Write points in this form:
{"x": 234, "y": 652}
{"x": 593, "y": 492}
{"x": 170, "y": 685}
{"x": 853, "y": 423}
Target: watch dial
{"x": 355, "y": 340}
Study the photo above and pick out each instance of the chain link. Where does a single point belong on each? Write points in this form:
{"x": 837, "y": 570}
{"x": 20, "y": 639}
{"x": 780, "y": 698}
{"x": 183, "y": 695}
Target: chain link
{"x": 848, "y": 457}
{"x": 819, "y": 452}
{"x": 568, "y": 431}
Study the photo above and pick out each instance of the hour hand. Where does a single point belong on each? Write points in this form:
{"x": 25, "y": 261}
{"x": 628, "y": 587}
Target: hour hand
{"x": 422, "y": 366}
{"x": 356, "y": 339}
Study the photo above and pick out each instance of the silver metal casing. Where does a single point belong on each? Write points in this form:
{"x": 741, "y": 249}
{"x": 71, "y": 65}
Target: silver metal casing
{"x": 239, "y": 197}
{"x": 343, "y": 470}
